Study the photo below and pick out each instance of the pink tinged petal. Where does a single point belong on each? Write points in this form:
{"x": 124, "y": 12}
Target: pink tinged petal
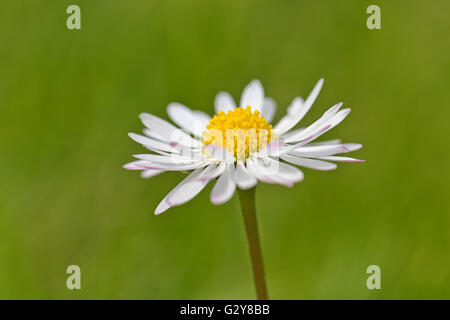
{"x": 167, "y": 159}
{"x": 298, "y": 109}
{"x": 331, "y": 123}
{"x": 151, "y": 143}
{"x": 218, "y": 153}
{"x": 289, "y": 148}
{"x": 276, "y": 179}
{"x": 183, "y": 192}
{"x": 329, "y": 114}
{"x": 328, "y": 125}
{"x": 280, "y": 172}
{"x": 193, "y": 121}
{"x": 353, "y": 146}
{"x": 135, "y": 165}
{"x": 225, "y": 186}
{"x": 224, "y": 102}
{"x": 150, "y": 173}
{"x": 168, "y": 131}
{"x": 269, "y": 108}
{"x": 286, "y": 175}
{"x": 261, "y": 173}
{"x": 339, "y": 117}
{"x": 244, "y": 178}
{"x": 309, "y": 163}
{"x": 272, "y": 148}
{"x": 341, "y": 159}
{"x": 174, "y": 167}
{"x": 253, "y": 96}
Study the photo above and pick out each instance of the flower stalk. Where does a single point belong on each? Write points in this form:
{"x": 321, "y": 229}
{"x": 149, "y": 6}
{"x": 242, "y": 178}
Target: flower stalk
{"x": 247, "y": 199}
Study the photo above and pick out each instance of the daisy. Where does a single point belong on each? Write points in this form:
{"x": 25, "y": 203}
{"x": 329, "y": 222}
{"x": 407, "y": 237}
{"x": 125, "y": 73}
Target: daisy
{"x": 238, "y": 145}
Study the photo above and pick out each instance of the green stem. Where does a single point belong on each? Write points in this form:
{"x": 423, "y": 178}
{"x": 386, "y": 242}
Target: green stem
{"x": 247, "y": 198}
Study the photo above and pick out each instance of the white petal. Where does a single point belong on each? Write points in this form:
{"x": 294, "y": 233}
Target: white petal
{"x": 292, "y": 133}
{"x": 309, "y": 163}
{"x": 341, "y": 159}
{"x": 298, "y": 109}
{"x": 211, "y": 167}
{"x": 255, "y": 168}
{"x": 224, "y": 102}
{"x": 322, "y": 150}
{"x": 326, "y": 143}
{"x": 186, "y": 192}
{"x": 295, "y": 112}
{"x": 168, "y": 131}
{"x": 153, "y": 134}
{"x": 162, "y": 206}
{"x": 150, "y": 173}
{"x": 318, "y": 151}
{"x": 183, "y": 192}
{"x": 218, "y": 153}
{"x": 151, "y": 143}
{"x": 158, "y": 151}
{"x": 201, "y": 121}
{"x": 269, "y": 108}
{"x": 289, "y": 172}
{"x": 214, "y": 172}
{"x": 244, "y": 178}
{"x": 225, "y": 186}
{"x": 253, "y": 96}
{"x": 193, "y": 121}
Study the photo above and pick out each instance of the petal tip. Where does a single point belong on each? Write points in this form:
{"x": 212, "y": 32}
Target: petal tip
{"x": 163, "y": 207}
{"x": 143, "y": 115}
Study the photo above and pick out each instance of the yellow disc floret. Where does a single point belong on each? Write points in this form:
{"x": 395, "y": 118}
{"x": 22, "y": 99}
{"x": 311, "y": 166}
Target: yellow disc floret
{"x": 239, "y": 131}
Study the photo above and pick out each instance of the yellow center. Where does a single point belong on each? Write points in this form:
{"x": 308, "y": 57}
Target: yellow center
{"x": 239, "y": 131}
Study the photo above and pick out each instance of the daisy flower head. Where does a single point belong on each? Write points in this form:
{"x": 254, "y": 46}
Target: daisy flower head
{"x": 238, "y": 146}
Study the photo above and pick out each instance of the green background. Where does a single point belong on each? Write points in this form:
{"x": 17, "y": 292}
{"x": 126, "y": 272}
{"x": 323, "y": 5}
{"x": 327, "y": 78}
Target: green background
{"x": 69, "y": 98}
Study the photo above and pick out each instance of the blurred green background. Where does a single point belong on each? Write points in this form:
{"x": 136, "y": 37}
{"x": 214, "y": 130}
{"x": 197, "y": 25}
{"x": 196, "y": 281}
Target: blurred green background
{"x": 69, "y": 98}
